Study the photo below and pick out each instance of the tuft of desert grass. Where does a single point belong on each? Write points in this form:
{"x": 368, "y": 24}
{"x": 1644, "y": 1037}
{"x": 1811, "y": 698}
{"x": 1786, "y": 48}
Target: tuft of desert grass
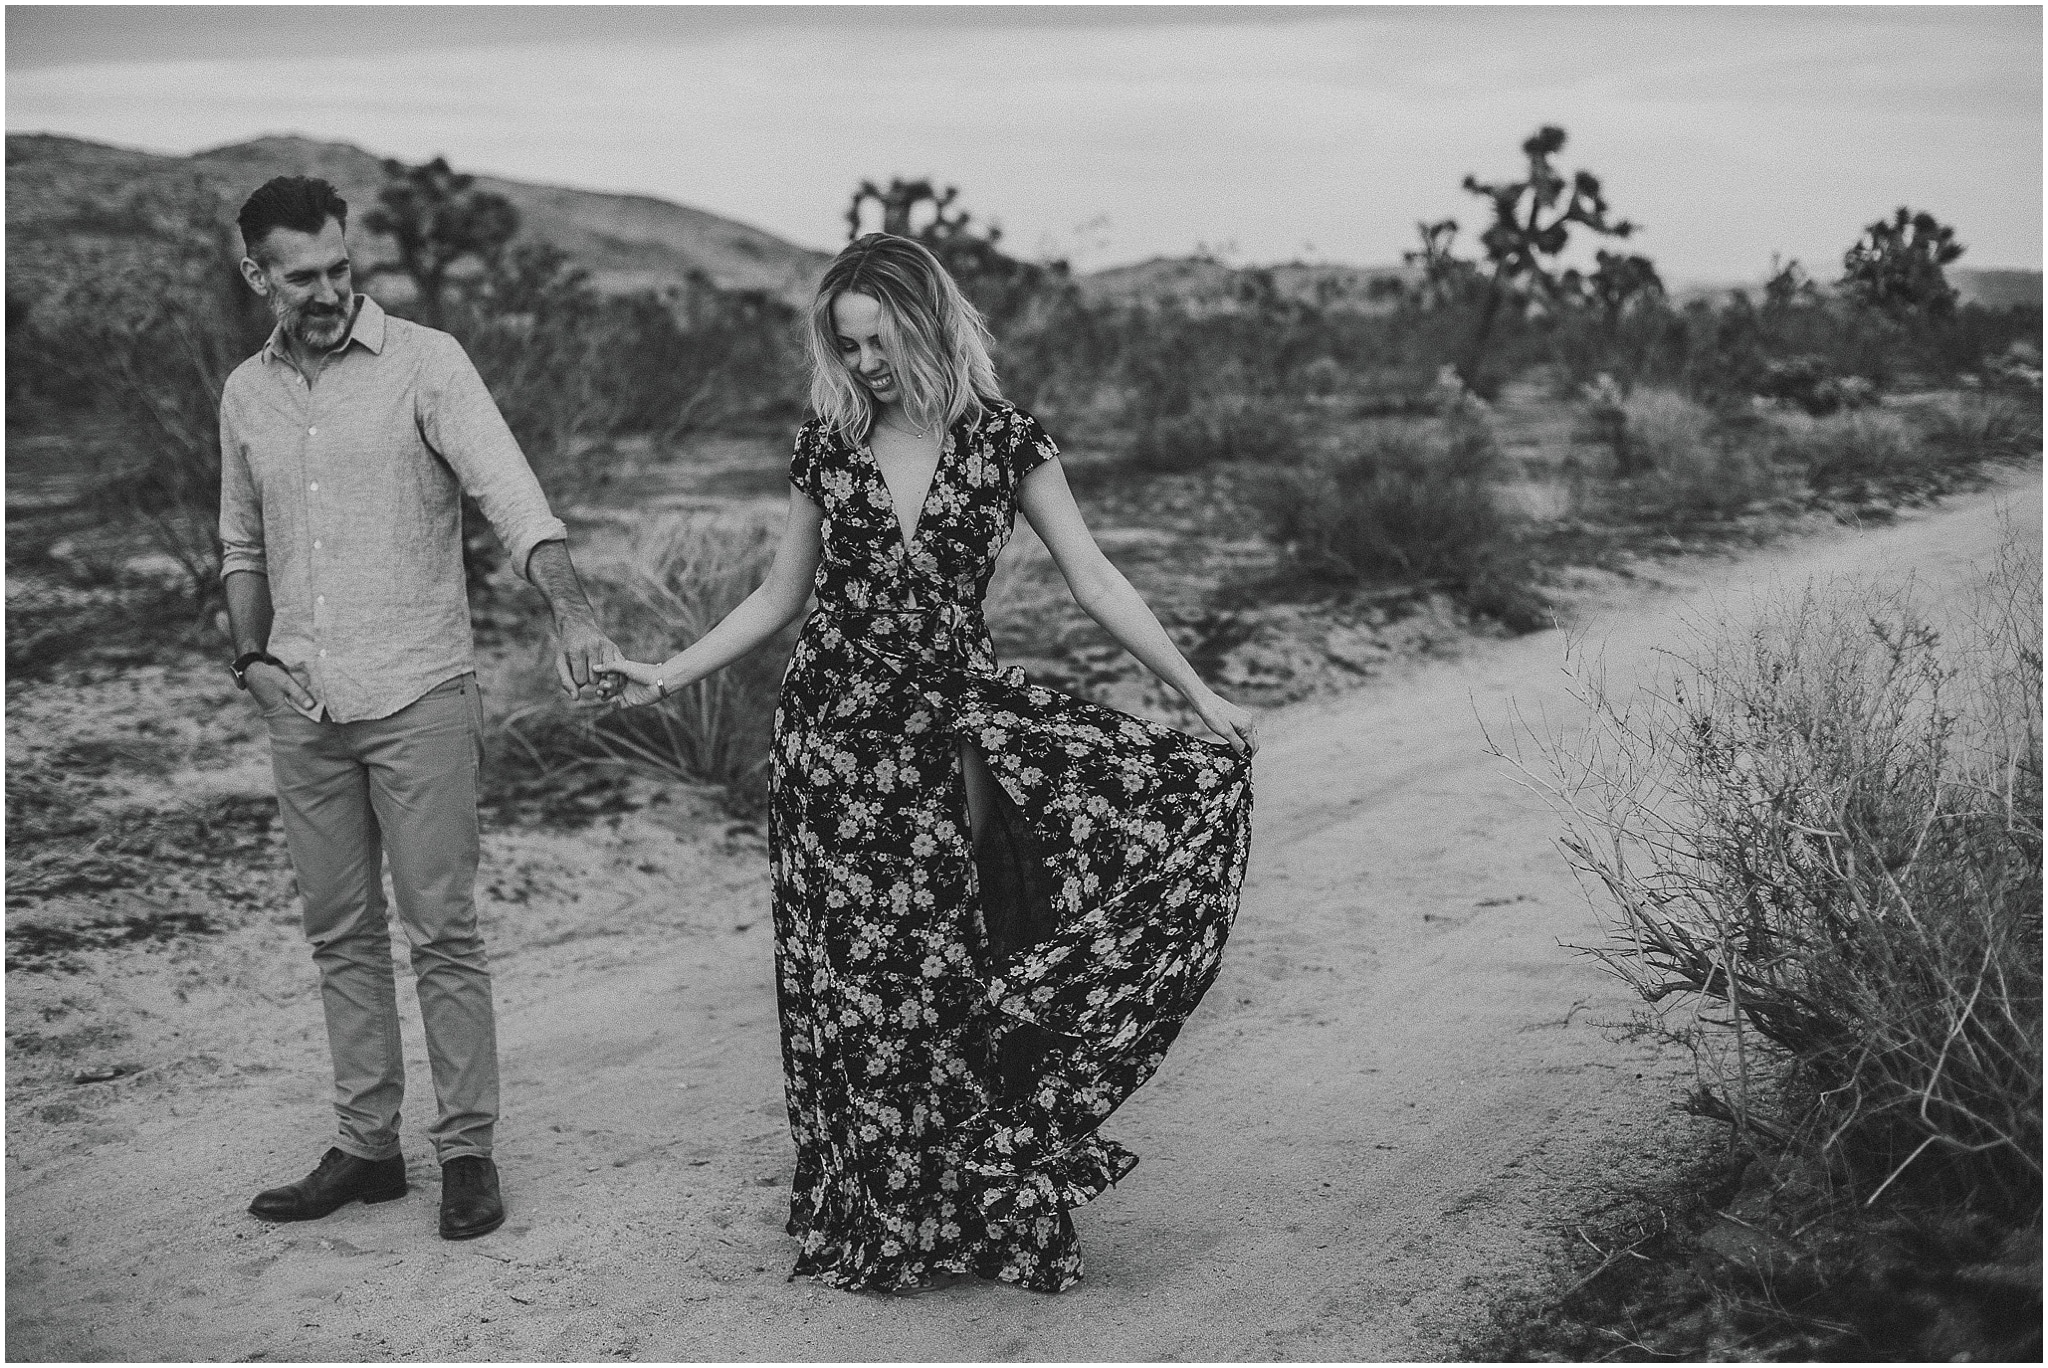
{"x": 683, "y": 575}
{"x": 1931, "y": 446}
{"x": 1681, "y": 463}
{"x": 1865, "y": 453}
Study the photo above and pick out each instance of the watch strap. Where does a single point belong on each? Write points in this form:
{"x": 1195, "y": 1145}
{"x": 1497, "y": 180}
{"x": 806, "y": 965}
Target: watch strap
{"x": 247, "y": 658}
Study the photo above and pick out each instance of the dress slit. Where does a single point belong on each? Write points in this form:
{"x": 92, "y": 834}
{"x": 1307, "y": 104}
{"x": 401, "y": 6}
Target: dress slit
{"x": 1014, "y": 888}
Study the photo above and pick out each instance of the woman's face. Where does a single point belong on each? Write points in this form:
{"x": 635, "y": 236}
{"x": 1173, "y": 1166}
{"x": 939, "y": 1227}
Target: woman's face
{"x": 857, "y": 332}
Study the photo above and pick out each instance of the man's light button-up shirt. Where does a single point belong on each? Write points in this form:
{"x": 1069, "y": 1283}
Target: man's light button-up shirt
{"x": 409, "y": 427}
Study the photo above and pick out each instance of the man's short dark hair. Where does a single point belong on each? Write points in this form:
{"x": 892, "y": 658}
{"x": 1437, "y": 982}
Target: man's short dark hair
{"x": 301, "y": 203}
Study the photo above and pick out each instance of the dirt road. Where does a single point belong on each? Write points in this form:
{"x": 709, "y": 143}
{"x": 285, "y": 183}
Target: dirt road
{"x": 1368, "y": 1135}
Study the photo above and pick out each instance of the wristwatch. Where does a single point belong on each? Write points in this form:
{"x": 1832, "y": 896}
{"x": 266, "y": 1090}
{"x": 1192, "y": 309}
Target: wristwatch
{"x": 240, "y": 668}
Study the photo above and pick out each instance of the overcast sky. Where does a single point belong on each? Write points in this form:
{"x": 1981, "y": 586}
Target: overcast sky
{"x": 1112, "y": 135}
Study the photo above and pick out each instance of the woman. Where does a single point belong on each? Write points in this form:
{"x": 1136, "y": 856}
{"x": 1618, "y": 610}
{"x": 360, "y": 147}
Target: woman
{"x": 994, "y": 904}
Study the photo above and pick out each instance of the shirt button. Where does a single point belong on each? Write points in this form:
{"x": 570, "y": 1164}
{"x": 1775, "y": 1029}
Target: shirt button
{"x": 319, "y": 598}
{"x": 314, "y": 486}
{"x": 316, "y": 543}
{"x": 323, "y": 653}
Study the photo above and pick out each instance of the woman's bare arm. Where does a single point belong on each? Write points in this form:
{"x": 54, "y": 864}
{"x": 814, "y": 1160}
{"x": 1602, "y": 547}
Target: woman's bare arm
{"x": 1106, "y": 596}
{"x": 759, "y": 616}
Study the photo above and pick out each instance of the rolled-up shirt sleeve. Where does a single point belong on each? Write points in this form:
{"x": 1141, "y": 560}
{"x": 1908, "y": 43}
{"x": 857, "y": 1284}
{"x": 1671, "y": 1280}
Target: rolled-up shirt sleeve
{"x": 461, "y": 422}
{"x": 241, "y": 507}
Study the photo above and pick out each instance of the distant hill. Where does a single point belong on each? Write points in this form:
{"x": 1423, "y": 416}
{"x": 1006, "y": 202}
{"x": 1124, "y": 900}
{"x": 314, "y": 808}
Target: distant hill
{"x": 1205, "y": 285}
{"x": 1992, "y": 289}
{"x": 71, "y": 202}
{"x": 1995, "y": 289}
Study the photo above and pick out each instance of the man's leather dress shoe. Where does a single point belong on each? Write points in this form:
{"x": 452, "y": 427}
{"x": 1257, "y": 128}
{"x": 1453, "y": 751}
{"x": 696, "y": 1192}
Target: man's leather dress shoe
{"x": 470, "y": 1205}
{"x": 340, "y": 1179}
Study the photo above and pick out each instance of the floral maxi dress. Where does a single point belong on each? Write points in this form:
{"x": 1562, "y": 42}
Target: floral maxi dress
{"x": 960, "y": 1012}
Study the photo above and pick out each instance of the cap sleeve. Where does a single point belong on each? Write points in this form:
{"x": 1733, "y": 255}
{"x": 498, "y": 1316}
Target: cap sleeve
{"x": 804, "y": 462}
{"x": 1031, "y": 446}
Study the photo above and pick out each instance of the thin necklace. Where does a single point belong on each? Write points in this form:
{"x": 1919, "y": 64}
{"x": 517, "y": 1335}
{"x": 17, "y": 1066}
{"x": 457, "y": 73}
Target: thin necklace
{"x": 920, "y": 433}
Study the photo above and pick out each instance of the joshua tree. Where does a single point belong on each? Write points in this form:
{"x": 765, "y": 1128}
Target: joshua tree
{"x": 1789, "y": 287}
{"x": 900, "y": 201}
{"x": 1895, "y": 267}
{"x": 437, "y": 218}
{"x": 997, "y": 282}
{"x": 1447, "y": 278}
{"x": 1532, "y": 222}
{"x": 1619, "y": 284}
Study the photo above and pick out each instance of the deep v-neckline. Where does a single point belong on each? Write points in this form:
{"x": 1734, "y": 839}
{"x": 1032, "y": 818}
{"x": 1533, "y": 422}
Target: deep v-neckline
{"x": 908, "y": 539}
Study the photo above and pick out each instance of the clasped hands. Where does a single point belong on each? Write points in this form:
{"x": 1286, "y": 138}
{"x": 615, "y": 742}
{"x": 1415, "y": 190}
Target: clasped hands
{"x": 588, "y": 657}
{"x": 583, "y": 654}
{"x": 632, "y": 684}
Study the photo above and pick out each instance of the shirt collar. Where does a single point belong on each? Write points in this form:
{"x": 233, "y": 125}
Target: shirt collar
{"x": 366, "y": 328}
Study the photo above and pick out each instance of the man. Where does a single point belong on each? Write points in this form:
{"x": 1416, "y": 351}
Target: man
{"x": 346, "y": 444}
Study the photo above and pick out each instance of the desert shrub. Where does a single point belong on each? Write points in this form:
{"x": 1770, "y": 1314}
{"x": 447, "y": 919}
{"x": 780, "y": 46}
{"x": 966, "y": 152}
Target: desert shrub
{"x": 1244, "y": 431}
{"x": 1892, "y": 454}
{"x": 41, "y": 385}
{"x": 1806, "y": 382}
{"x": 684, "y": 576}
{"x": 1797, "y": 344}
{"x": 1855, "y": 453}
{"x": 149, "y": 348}
{"x": 1719, "y": 480}
{"x": 1662, "y": 430}
{"x": 2016, "y": 370}
{"x": 1412, "y": 504}
{"x": 1982, "y": 427}
{"x": 1685, "y": 463}
{"x": 570, "y": 367}
{"x": 1632, "y": 348}
{"x": 1820, "y": 851}
{"x": 1147, "y": 362}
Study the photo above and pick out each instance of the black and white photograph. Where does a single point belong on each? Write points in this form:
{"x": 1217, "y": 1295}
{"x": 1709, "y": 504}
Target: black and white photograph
{"x": 1023, "y": 683}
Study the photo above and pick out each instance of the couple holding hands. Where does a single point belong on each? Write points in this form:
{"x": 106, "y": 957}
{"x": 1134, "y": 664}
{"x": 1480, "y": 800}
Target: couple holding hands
{"x": 994, "y": 904}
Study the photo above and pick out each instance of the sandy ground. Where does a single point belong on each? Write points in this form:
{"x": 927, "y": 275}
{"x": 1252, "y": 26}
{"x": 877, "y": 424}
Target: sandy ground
{"x": 1379, "y": 1124}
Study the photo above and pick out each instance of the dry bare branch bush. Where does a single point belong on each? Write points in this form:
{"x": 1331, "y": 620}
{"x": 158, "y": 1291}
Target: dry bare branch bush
{"x": 1819, "y": 841}
{"x": 686, "y": 574}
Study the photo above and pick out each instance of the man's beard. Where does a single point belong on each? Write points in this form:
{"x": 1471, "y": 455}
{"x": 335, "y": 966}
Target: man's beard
{"x": 316, "y": 327}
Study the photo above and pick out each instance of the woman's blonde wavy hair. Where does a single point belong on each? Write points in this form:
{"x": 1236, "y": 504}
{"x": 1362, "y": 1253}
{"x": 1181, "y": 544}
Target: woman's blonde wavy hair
{"x": 936, "y": 339}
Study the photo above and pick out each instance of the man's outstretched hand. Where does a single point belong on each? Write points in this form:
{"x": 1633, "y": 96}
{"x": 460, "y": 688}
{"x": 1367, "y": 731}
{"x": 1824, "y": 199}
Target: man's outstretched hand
{"x": 581, "y": 646}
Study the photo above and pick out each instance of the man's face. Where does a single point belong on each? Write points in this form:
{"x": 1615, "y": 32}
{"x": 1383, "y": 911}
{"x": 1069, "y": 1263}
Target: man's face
{"x": 305, "y": 279}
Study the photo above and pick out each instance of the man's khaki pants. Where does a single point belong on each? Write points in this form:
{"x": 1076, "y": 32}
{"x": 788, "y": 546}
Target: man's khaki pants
{"x": 351, "y": 794}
